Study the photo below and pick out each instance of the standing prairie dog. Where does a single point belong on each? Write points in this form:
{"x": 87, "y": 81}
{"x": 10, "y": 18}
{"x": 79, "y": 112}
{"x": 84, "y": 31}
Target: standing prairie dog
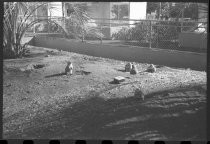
{"x": 69, "y": 68}
{"x": 151, "y": 68}
{"x": 128, "y": 67}
{"x": 134, "y": 70}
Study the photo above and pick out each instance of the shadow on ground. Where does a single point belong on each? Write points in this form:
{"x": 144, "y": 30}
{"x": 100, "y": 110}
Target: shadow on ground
{"x": 55, "y": 75}
{"x": 161, "y": 116}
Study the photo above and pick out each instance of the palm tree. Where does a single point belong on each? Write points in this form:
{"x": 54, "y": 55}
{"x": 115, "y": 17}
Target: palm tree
{"x": 78, "y": 21}
{"x": 15, "y": 25}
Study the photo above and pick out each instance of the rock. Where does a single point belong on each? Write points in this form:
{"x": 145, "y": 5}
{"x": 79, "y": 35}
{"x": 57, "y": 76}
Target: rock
{"x": 128, "y": 67}
{"x": 29, "y": 67}
{"x": 151, "y": 68}
{"x": 134, "y": 70}
{"x": 47, "y": 56}
{"x": 22, "y": 69}
{"x": 119, "y": 79}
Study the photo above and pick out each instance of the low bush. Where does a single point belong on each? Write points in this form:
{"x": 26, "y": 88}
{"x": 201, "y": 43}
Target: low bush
{"x": 138, "y": 33}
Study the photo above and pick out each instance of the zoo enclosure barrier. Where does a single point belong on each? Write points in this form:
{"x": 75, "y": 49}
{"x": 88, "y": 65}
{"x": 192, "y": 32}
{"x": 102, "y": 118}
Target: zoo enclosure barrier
{"x": 144, "y": 33}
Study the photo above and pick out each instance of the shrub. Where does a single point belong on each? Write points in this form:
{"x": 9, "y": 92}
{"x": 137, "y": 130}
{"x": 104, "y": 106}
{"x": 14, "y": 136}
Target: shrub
{"x": 139, "y": 33}
{"x": 122, "y": 34}
{"x": 15, "y": 26}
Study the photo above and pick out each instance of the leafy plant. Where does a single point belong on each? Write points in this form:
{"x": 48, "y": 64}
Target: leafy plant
{"x": 15, "y": 26}
{"x": 78, "y": 22}
{"x": 122, "y": 34}
{"x": 19, "y": 17}
{"x": 139, "y": 32}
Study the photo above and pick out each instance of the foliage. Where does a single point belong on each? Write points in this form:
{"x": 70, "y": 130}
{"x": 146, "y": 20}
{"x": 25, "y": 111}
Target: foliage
{"x": 139, "y": 32}
{"x": 160, "y": 31}
{"x": 164, "y": 30}
{"x": 122, "y": 34}
{"x": 19, "y": 18}
{"x": 15, "y": 26}
{"x": 174, "y": 10}
{"x": 78, "y": 22}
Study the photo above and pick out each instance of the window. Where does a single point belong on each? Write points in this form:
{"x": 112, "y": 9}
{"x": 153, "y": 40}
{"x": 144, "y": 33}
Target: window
{"x": 83, "y": 6}
{"x": 120, "y": 10}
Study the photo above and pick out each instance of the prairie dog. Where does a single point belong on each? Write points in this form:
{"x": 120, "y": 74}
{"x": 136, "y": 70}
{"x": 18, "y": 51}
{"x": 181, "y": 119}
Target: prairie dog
{"x": 128, "y": 67}
{"x": 151, "y": 68}
{"x": 134, "y": 70}
{"x": 69, "y": 68}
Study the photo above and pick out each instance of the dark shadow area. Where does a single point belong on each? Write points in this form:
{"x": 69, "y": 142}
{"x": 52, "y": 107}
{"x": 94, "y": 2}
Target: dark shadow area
{"x": 160, "y": 66}
{"x": 82, "y": 72}
{"x": 123, "y": 118}
{"x": 55, "y": 75}
{"x": 38, "y": 66}
{"x": 121, "y": 70}
{"x": 113, "y": 82}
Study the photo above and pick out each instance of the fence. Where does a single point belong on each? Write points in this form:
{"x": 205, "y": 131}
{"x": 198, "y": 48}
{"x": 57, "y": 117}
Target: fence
{"x": 144, "y": 33}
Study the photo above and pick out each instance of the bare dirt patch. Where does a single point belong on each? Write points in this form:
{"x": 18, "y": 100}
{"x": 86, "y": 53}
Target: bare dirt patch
{"x": 43, "y": 102}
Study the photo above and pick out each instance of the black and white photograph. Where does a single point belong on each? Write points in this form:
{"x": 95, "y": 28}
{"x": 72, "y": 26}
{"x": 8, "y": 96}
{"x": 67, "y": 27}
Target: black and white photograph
{"x": 105, "y": 70}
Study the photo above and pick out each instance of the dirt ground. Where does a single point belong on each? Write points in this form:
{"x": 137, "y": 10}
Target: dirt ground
{"x": 43, "y": 102}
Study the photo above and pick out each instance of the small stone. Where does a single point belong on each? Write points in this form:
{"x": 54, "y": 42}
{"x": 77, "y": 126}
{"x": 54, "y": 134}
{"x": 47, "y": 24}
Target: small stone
{"x": 134, "y": 70}
{"x": 119, "y": 79}
{"x": 47, "y": 56}
{"x": 29, "y": 67}
{"x": 22, "y": 69}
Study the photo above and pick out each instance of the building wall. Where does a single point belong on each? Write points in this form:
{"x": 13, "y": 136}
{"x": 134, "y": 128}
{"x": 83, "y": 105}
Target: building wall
{"x": 138, "y": 10}
{"x": 56, "y": 10}
{"x": 201, "y": 13}
{"x": 101, "y": 10}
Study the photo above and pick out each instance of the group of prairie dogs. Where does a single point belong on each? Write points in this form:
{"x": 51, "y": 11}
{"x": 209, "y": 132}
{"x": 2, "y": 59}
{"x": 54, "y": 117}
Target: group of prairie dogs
{"x": 129, "y": 67}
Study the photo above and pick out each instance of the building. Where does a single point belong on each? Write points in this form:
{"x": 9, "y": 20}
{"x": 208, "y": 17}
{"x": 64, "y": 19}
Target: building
{"x": 107, "y": 15}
